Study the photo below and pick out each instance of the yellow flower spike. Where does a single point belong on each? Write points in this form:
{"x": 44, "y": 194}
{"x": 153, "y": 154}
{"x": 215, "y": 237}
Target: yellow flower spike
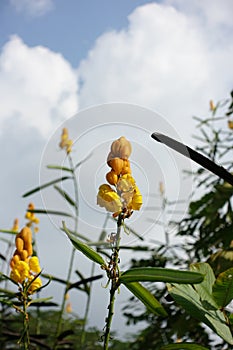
{"x": 109, "y": 199}
{"x": 161, "y": 188}
{"x": 230, "y": 124}
{"x": 68, "y": 308}
{"x": 127, "y": 196}
{"x": 65, "y": 143}
{"x": 212, "y": 106}
{"x": 34, "y": 264}
{"x": 64, "y": 138}
{"x": 31, "y": 217}
{"x": 20, "y": 272}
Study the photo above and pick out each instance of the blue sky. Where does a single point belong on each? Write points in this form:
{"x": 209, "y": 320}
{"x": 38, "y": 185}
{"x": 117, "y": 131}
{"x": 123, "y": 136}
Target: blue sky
{"x": 67, "y": 27}
{"x": 59, "y": 58}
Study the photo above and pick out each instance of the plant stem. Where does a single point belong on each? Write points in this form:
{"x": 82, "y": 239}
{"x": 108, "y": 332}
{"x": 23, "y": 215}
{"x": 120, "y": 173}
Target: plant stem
{"x": 83, "y": 332}
{"x": 25, "y": 335}
{"x": 73, "y": 250}
{"x": 114, "y": 284}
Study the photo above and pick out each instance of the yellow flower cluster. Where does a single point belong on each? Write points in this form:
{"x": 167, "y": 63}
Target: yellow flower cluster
{"x": 31, "y": 217}
{"x": 126, "y": 196}
{"x": 65, "y": 142}
{"x": 25, "y": 267}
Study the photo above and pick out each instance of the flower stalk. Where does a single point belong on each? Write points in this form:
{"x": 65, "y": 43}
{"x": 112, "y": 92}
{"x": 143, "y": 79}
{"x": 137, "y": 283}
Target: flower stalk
{"x": 121, "y": 200}
{"x": 66, "y": 144}
{"x": 113, "y": 274}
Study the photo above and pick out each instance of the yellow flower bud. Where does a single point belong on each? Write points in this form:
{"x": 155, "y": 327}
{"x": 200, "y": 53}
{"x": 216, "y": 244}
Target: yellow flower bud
{"x": 112, "y": 177}
{"x": 34, "y": 264}
{"x": 68, "y": 308}
{"x": 19, "y": 243}
{"x": 161, "y": 188}
{"x": 212, "y": 106}
{"x": 24, "y": 254}
{"x": 121, "y": 148}
{"x": 15, "y": 259}
{"x": 116, "y": 164}
{"x": 15, "y": 227}
{"x": 126, "y": 167}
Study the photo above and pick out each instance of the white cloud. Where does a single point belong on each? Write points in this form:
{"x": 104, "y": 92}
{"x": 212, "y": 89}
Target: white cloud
{"x": 168, "y": 59}
{"x": 37, "y": 86}
{"x": 34, "y": 8}
{"x": 212, "y": 12}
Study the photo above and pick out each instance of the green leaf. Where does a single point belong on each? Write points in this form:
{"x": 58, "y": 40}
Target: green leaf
{"x": 146, "y": 298}
{"x": 183, "y": 346}
{"x": 5, "y": 277}
{"x": 49, "y": 212}
{"x": 40, "y": 300}
{"x": 83, "y": 160}
{"x": 223, "y": 288}
{"x": 76, "y": 234}
{"x": 8, "y": 231}
{"x": 204, "y": 289}
{"x": 198, "y": 302}
{"x": 66, "y": 196}
{"x": 58, "y": 167}
{"x": 158, "y": 274}
{"x": 85, "y": 249}
{"x": 41, "y": 187}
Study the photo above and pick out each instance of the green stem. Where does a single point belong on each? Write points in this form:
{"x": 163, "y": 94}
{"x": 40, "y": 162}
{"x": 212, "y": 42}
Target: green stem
{"x": 83, "y": 332}
{"x": 114, "y": 284}
{"x": 25, "y": 334}
{"x": 38, "y": 314}
{"x": 59, "y": 325}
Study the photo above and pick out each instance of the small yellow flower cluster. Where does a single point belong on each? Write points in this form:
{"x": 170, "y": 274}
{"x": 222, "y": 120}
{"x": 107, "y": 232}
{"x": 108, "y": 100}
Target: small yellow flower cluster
{"x": 212, "y": 106}
{"x": 126, "y": 196}
{"x": 25, "y": 267}
{"x": 65, "y": 143}
{"x": 31, "y": 217}
{"x": 230, "y": 124}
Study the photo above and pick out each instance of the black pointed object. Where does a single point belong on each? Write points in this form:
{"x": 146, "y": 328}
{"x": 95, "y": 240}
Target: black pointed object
{"x": 195, "y": 156}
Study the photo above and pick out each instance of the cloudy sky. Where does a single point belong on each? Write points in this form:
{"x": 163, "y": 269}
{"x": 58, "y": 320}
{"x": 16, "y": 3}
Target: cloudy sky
{"x": 59, "y": 59}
